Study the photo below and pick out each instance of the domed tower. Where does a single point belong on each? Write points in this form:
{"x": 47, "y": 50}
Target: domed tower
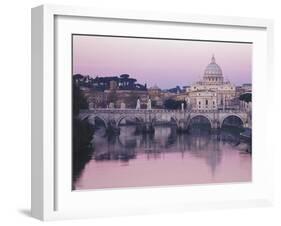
{"x": 213, "y": 73}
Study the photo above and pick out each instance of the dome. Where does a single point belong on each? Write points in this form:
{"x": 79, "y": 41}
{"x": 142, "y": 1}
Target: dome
{"x": 213, "y": 70}
{"x": 155, "y": 87}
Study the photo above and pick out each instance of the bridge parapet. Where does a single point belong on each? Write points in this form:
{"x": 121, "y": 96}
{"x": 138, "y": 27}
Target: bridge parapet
{"x": 154, "y": 111}
{"x": 217, "y": 111}
{"x": 128, "y": 110}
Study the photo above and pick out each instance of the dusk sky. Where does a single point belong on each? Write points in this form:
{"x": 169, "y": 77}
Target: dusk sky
{"x": 165, "y": 63}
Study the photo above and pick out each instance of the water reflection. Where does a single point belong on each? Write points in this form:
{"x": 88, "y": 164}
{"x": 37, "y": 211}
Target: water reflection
{"x": 198, "y": 151}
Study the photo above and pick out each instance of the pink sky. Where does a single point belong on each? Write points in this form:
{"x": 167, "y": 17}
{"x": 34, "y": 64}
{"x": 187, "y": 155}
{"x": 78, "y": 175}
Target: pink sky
{"x": 165, "y": 63}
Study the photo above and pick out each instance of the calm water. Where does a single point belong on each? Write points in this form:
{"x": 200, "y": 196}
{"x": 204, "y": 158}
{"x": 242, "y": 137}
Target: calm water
{"x": 164, "y": 158}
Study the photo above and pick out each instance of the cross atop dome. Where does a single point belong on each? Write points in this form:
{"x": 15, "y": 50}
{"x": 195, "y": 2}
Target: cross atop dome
{"x": 213, "y": 61}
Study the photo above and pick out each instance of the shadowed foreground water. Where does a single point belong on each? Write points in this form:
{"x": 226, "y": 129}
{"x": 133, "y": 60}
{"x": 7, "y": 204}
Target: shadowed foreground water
{"x": 164, "y": 158}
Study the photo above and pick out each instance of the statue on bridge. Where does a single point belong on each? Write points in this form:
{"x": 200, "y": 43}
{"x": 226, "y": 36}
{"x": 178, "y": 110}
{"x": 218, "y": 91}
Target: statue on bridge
{"x": 123, "y": 105}
{"x": 148, "y": 107}
{"x": 111, "y": 105}
{"x": 138, "y": 104}
{"x": 91, "y": 105}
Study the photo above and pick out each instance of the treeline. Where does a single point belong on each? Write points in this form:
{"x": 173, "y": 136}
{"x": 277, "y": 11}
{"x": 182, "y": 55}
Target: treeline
{"x": 82, "y": 133}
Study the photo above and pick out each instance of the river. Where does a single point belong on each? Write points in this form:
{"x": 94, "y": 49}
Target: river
{"x": 165, "y": 158}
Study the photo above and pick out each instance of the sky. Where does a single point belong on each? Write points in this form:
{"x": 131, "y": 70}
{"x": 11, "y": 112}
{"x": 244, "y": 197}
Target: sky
{"x": 165, "y": 63}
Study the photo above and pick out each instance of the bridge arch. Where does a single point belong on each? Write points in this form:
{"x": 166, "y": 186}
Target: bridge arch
{"x": 118, "y": 121}
{"x": 174, "y": 119}
{"x": 198, "y": 116}
{"x": 168, "y": 119}
{"x": 94, "y": 117}
{"x": 233, "y": 117}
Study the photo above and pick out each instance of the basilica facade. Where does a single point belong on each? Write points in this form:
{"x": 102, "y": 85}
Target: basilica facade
{"x": 212, "y": 92}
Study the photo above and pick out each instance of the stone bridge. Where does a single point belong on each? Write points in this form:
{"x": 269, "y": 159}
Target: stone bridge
{"x": 148, "y": 118}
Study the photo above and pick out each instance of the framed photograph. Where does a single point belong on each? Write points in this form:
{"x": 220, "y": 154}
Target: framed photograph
{"x": 137, "y": 112}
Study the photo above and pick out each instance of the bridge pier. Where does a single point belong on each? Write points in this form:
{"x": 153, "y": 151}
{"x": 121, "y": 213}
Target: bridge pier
{"x": 183, "y": 127}
{"x": 138, "y": 129}
{"x": 215, "y": 127}
{"x": 147, "y": 127}
{"x": 215, "y": 130}
{"x": 112, "y": 129}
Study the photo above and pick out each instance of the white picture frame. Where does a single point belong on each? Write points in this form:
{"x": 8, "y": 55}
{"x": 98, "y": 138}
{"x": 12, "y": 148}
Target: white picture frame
{"x": 52, "y": 199}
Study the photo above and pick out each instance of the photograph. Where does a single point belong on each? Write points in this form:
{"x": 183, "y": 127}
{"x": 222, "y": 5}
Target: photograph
{"x": 150, "y": 112}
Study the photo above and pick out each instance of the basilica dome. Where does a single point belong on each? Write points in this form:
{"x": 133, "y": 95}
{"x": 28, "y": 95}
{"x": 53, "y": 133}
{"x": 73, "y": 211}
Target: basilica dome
{"x": 213, "y": 69}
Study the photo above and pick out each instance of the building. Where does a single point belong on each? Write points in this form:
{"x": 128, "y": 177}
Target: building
{"x": 247, "y": 87}
{"x": 156, "y": 96}
{"x": 175, "y": 90}
{"x": 186, "y": 88}
{"x": 127, "y": 97}
{"x": 203, "y": 100}
{"x": 95, "y": 98}
{"x": 212, "y": 92}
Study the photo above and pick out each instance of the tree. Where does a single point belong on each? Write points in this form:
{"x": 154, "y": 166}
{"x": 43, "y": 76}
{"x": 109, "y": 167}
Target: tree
{"x": 154, "y": 103}
{"x": 173, "y": 104}
{"x": 247, "y": 97}
{"x": 78, "y": 100}
{"x": 82, "y": 133}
